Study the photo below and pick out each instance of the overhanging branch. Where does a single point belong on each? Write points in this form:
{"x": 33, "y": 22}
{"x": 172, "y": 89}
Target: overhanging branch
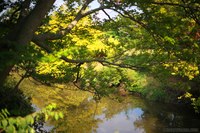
{"x": 81, "y": 14}
{"x": 41, "y": 38}
{"x": 103, "y": 62}
{"x": 127, "y": 15}
{"x": 107, "y": 15}
{"x": 78, "y": 61}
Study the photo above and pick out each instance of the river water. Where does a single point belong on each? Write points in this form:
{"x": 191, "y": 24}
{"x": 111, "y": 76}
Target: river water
{"x": 144, "y": 117}
{"x": 125, "y": 115}
{"x": 113, "y": 114}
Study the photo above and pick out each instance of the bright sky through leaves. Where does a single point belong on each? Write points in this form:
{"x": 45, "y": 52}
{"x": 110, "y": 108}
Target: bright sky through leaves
{"x": 94, "y": 5}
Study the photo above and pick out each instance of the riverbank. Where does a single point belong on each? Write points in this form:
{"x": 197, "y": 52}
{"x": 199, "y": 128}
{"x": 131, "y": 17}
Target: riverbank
{"x": 67, "y": 92}
{"x": 145, "y": 87}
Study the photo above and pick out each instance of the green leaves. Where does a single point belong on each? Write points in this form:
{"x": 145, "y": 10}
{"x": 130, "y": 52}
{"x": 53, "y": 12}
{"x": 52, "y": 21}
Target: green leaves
{"x": 4, "y": 114}
{"x": 4, "y": 123}
{"x": 29, "y": 120}
{"x": 18, "y": 124}
{"x": 149, "y": 33}
{"x": 24, "y": 124}
{"x": 50, "y": 112}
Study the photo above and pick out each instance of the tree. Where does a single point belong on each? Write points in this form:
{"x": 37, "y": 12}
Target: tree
{"x": 164, "y": 32}
{"x": 26, "y": 18}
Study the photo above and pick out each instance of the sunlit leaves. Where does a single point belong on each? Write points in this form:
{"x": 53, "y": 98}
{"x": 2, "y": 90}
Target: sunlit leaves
{"x": 49, "y": 112}
{"x": 183, "y": 68}
{"x": 56, "y": 71}
{"x": 162, "y": 10}
{"x": 156, "y": 33}
{"x": 54, "y": 23}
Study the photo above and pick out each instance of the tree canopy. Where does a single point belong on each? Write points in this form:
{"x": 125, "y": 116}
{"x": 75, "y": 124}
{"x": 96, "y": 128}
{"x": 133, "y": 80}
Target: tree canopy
{"x": 71, "y": 43}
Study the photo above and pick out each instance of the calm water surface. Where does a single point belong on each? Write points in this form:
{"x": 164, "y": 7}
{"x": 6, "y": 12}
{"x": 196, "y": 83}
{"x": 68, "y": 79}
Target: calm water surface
{"x": 121, "y": 122}
{"x": 125, "y": 115}
{"x": 112, "y": 115}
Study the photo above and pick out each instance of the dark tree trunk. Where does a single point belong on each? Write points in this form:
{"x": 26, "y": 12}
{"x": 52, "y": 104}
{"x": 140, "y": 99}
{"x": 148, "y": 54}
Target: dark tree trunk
{"x": 4, "y": 73}
{"x": 22, "y": 35}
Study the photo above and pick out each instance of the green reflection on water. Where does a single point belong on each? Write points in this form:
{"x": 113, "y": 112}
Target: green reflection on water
{"x": 113, "y": 114}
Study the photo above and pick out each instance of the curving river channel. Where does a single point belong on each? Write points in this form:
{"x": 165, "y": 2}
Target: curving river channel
{"x": 114, "y": 114}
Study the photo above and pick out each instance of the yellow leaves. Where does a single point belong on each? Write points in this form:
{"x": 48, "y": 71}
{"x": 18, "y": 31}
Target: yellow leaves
{"x": 113, "y": 41}
{"x": 79, "y": 41}
{"x": 186, "y": 95}
{"x": 183, "y": 68}
{"x": 43, "y": 68}
{"x": 163, "y": 10}
{"x": 50, "y": 68}
{"x": 97, "y": 45}
{"x": 57, "y": 22}
{"x": 91, "y": 39}
{"x": 195, "y": 101}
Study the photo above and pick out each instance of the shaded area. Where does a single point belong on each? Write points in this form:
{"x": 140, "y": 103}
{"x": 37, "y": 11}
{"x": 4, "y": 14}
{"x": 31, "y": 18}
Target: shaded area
{"x": 15, "y": 101}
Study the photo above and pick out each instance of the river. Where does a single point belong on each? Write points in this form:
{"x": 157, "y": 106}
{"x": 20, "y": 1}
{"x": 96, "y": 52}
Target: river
{"x": 113, "y": 114}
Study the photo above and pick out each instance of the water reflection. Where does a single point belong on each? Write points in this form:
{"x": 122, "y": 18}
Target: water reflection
{"x": 131, "y": 115}
{"x": 121, "y": 115}
{"x": 122, "y": 122}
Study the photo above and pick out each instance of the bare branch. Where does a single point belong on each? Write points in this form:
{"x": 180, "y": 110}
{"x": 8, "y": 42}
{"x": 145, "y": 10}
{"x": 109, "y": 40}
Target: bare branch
{"x": 96, "y": 9}
{"x": 107, "y": 15}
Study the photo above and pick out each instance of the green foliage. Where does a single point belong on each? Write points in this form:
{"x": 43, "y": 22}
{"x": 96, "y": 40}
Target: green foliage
{"x": 25, "y": 124}
{"x": 152, "y": 36}
{"x": 146, "y": 86}
{"x": 196, "y": 104}
{"x": 4, "y": 114}
{"x": 194, "y": 101}
{"x": 100, "y": 80}
{"x": 18, "y": 124}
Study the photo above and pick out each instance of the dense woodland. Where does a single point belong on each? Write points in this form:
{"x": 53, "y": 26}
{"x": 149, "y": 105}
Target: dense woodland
{"x": 149, "y": 48}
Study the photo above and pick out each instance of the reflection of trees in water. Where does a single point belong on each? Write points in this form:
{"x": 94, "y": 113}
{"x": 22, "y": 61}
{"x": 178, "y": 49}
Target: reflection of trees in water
{"x": 157, "y": 117}
{"x": 80, "y": 111}
{"x": 79, "y": 119}
{"x": 116, "y": 106}
{"x": 83, "y": 117}
{"x": 148, "y": 122}
{"x": 157, "y": 121}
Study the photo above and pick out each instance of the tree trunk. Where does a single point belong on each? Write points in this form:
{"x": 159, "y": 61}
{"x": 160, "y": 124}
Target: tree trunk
{"x": 23, "y": 33}
{"x": 4, "y": 73}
